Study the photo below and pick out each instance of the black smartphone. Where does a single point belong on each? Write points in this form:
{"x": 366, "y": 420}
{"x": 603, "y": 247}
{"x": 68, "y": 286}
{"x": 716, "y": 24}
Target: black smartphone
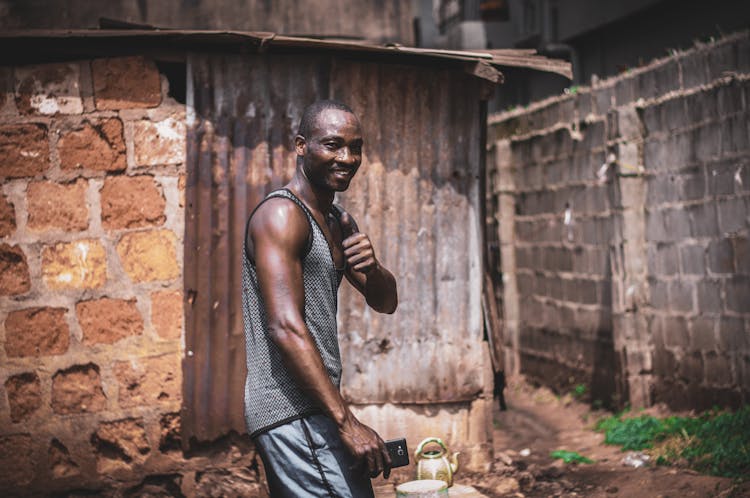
{"x": 398, "y": 452}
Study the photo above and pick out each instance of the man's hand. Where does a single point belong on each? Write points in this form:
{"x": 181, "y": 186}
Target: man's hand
{"x": 366, "y": 446}
{"x": 358, "y": 249}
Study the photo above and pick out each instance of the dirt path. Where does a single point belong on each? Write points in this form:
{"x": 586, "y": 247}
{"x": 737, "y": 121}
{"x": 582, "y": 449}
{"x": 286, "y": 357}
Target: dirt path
{"x": 539, "y": 422}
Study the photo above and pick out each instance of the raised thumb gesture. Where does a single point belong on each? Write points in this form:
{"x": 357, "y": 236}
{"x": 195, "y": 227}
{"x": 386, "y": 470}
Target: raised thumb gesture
{"x": 360, "y": 256}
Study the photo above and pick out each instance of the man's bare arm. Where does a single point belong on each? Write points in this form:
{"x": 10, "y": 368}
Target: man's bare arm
{"x": 364, "y": 271}
{"x": 279, "y": 232}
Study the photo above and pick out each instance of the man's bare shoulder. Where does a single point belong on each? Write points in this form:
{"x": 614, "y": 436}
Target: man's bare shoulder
{"x": 280, "y": 221}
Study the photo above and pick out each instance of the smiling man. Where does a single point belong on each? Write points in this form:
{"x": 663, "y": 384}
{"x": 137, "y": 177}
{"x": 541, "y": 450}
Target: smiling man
{"x": 298, "y": 247}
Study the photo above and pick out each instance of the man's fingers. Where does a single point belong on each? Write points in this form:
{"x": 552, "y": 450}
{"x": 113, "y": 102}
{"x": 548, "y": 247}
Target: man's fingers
{"x": 378, "y": 462}
{"x": 354, "y": 240}
{"x": 386, "y": 458}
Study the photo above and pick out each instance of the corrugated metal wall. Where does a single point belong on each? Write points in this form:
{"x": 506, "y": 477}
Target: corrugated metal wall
{"x": 379, "y": 20}
{"x": 416, "y": 195}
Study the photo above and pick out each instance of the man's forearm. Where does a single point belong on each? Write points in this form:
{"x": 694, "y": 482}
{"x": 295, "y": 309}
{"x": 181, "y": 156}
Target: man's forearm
{"x": 380, "y": 290}
{"x": 302, "y": 359}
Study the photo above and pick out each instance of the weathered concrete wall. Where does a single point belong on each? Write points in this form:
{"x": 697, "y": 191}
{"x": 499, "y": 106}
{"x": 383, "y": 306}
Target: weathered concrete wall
{"x": 625, "y": 246}
{"x": 91, "y": 308}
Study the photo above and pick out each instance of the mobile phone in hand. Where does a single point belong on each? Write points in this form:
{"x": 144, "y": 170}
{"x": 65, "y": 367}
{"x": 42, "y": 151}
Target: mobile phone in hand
{"x": 398, "y": 452}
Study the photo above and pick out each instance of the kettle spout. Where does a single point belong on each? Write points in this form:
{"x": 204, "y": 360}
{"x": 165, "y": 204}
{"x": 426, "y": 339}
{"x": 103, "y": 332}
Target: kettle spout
{"x": 454, "y": 462}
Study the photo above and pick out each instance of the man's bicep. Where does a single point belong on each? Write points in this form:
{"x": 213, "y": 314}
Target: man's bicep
{"x": 279, "y": 269}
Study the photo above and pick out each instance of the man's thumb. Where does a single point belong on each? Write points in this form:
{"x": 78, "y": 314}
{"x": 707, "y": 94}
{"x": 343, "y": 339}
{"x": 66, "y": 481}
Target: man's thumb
{"x": 348, "y": 225}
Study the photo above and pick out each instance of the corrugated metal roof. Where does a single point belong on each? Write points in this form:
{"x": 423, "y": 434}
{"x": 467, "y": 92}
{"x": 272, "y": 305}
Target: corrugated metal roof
{"x": 259, "y": 41}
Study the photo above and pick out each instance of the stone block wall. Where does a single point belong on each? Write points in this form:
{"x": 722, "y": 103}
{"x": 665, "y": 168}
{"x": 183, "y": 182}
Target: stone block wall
{"x": 92, "y": 171}
{"x": 626, "y": 208}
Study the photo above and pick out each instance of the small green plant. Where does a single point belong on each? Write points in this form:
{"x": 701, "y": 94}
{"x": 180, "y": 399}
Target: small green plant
{"x": 579, "y": 391}
{"x": 715, "y": 443}
{"x": 570, "y": 456}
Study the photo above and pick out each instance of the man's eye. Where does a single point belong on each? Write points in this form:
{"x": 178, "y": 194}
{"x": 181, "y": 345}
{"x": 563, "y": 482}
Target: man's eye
{"x": 331, "y": 146}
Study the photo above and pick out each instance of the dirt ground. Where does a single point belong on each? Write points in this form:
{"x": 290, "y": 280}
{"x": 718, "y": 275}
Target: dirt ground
{"x": 538, "y": 422}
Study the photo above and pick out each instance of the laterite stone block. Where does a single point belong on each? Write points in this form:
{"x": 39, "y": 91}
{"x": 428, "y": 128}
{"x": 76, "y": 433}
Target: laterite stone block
{"x": 16, "y": 463}
{"x": 24, "y": 396}
{"x": 159, "y": 142}
{"x": 149, "y": 381}
{"x": 14, "y": 271}
{"x": 48, "y": 89}
{"x": 106, "y": 321}
{"x": 149, "y": 256}
{"x": 120, "y": 444}
{"x": 97, "y": 146}
{"x": 36, "y": 332}
{"x": 7, "y": 217}
{"x": 126, "y": 83}
{"x": 132, "y": 202}
{"x": 24, "y": 150}
{"x": 166, "y": 313}
{"x": 81, "y": 264}
{"x": 78, "y": 389}
{"x": 57, "y": 206}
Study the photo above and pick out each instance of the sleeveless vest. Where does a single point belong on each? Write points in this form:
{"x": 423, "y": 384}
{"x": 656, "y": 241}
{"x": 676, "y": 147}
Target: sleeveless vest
{"x": 272, "y": 397}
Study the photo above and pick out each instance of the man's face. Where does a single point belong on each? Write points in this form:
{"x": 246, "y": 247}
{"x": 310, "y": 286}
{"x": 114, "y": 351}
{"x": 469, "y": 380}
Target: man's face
{"x": 333, "y": 151}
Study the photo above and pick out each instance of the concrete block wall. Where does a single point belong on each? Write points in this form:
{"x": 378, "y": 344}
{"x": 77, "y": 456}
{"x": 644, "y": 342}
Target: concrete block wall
{"x": 92, "y": 173}
{"x": 630, "y": 217}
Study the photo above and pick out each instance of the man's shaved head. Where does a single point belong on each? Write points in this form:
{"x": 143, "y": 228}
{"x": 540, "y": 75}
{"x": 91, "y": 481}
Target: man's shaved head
{"x": 311, "y": 113}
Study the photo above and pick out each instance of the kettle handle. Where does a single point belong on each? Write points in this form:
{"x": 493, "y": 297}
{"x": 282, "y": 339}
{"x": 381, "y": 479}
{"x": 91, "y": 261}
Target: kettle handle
{"x": 436, "y": 440}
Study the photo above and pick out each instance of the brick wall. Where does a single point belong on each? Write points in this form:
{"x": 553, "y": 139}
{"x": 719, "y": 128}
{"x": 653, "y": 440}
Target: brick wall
{"x": 624, "y": 254}
{"x": 91, "y": 226}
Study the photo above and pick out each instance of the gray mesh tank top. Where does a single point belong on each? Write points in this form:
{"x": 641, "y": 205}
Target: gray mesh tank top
{"x": 272, "y": 397}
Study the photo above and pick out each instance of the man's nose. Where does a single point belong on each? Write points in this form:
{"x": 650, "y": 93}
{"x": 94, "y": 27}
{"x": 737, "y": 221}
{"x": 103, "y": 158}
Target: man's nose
{"x": 345, "y": 155}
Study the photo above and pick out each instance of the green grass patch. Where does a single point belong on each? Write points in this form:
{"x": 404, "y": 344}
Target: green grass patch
{"x": 570, "y": 456}
{"x": 716, "y": 443}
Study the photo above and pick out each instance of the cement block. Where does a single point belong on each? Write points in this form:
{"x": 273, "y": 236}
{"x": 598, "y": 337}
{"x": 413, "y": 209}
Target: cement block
{"x": 703, "y": 220}
{"x": 655, "y": 155}
{"x": 692, "y": 185}
{"x": 734, "y": 215}
{"x": 701, "y": 105}
{"x": 675, "y": 329}
{"x": 742, "y": 46}
{"x": 681, "y": 295}
{"x": 663, "y": 259}
{"x": 734, "y": 134}
{"x": 625, "y": 90}
{"x": 737, "y": 294}
{"x": 709, "y": 296}
{"x": 718, "y": 369}
{"x": 733, "y": 335}
{"x": 720, "y": 59}
{"x": 675, "y": 114}
{"x": 730, "y": 98}
{"x": 692, "y": 260}
{"x": 676, "y": 224}
{"x": 658, "y": 80}
{"x": 629, "y": 123}
{"x": 694, "y": 69}
{"x": 741, "y": 248}
{"x": 703, "y": 333}
{"x": 720, "y": 256}
{"x": 653, "y": 120}
{"x": 721, "y": 178}
{"x": 691, "y": 368}
{"x": 658, "y": 294}
{"x": 603, "y": 99}
{"x": 707, "y": 142}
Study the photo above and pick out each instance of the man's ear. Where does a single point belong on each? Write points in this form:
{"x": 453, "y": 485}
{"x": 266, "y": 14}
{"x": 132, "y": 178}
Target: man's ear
{"x": 300, "y": 145}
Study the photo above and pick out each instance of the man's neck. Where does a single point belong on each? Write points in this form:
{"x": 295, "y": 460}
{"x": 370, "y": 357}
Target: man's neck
{"x": 316, "y": 199}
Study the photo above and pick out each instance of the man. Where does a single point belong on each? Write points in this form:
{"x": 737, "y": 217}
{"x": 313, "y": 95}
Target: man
{"x": 298, "y": 245}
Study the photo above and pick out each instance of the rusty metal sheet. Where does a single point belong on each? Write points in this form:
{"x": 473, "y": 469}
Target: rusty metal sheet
{"x": 108, "y": 41}
{"x": 417, "y": 195}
